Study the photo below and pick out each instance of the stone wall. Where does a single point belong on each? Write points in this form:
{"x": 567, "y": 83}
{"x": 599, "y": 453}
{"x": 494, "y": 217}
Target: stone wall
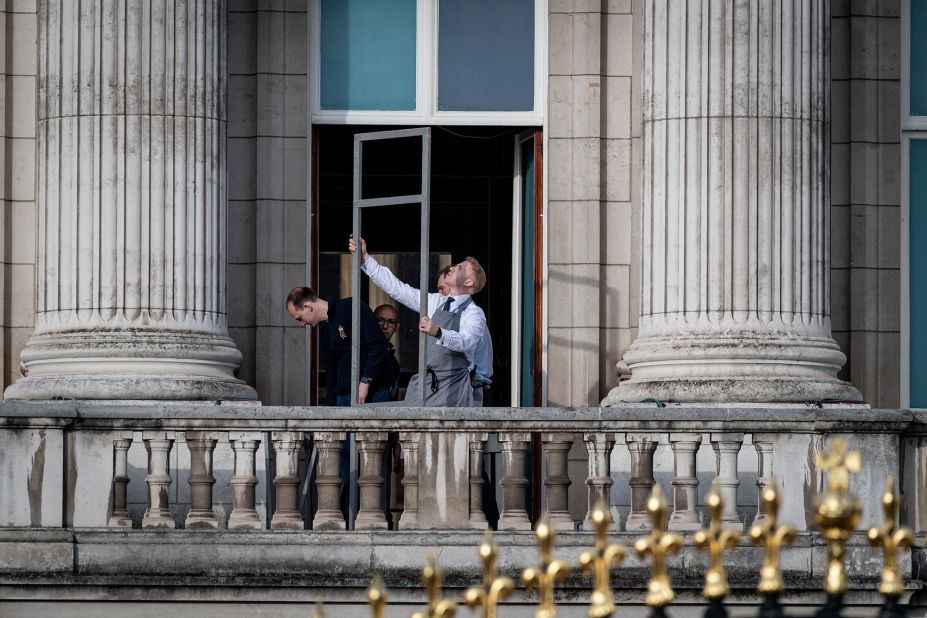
{"x": 592, "y": 118}
{"x": 267, "y": 193}
{"x": 866, "y": 180}
{"x": 17, "y": 182}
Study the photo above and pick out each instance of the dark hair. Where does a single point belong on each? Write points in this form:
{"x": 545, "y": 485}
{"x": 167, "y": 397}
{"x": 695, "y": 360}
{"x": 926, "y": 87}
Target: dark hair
{"x": 301, "y": 296}
{"x": 387, "y": 306}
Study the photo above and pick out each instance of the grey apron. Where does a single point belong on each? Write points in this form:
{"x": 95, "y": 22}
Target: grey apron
{"x": 447, "y": 374}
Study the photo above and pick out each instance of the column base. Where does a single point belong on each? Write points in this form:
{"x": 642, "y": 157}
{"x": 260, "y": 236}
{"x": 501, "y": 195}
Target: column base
{"x": 129, "y": 387}
{"x": 98, "y": 362}
{"x": 734, "y": 363}
{"x": 733, "y": 390}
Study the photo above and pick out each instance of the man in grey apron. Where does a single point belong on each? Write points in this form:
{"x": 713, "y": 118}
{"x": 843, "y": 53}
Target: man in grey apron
{"x": 447, "y": 373}
{"x": 455, "y": 326}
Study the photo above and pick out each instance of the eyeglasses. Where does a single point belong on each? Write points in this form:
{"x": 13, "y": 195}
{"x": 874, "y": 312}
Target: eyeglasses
{"x": 382, "y": 321}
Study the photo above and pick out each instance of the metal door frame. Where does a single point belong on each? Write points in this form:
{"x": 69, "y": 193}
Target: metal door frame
{"x": 424, "y": 199}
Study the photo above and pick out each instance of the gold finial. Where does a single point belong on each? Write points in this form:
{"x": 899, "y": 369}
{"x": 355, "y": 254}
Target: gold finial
{"x": 599, "y": 562}
{"x": 774, "y": 537}
{"x": 837, "y": 511}
{"x": 494, "y": 588}
{"x": 431, "y": 578}
{"x": 376, "y": 596}
{"x": 659, "y": 544}
{"x": 547, "y": 573}
{"x": 716, "y": 539}
{"x": 891, "y": 538}
{"x": 319, "y": 609}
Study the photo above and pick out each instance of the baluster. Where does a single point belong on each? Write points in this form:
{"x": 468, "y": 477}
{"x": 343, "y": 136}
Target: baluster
{"x": 158, "y": 515}
{"x": 514, "y": 447}
{"x": 286, "y": 451}
{"x": 556, "y": 450}
{"x": 685, "y": 481}
{"x": 641, "y": 446}
{"x": 727, "y": 446}
{"x": 328, "y": 481}
{"x": 201, "y": 445}
{"x": 599, "y": 481}
{"x": 764, "y": 467}
{"x": 244, "y": 514}
{"x": 409, "y": 443}
{"x": 477, "y": 516}
{"x": 370, "y": 447}
{"x": 120, "y": 517}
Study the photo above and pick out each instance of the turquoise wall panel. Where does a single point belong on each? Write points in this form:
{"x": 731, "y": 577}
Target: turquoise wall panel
{"x": 917, "y": 241}
{"x": 918, "y": 60}
{"x": 368, "y": 55}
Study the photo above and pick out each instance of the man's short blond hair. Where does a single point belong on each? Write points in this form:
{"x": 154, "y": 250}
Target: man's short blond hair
{"x": 479, "y": 275}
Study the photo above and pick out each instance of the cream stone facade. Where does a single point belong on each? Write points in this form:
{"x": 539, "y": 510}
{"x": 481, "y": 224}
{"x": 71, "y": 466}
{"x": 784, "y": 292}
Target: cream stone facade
{"x": 594, "y": 257}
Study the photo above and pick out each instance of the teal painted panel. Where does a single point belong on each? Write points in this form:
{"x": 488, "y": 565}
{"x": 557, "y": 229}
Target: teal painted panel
{"x": 527, "y": 273}
{"x": 918, "y": 60}
{"x": 368, "y": 55}
{"x": 486, "y": 55}
{"x": 917, "y": 284}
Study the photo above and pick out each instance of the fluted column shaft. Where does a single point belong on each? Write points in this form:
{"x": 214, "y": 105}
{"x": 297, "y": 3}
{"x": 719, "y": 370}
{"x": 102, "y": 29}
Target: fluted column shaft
{"x": 131, "y": 192}
{"x": 735, "y": 283}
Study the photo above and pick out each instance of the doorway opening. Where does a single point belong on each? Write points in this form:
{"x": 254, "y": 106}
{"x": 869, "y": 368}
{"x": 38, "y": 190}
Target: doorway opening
{"x": 480, "y": 206}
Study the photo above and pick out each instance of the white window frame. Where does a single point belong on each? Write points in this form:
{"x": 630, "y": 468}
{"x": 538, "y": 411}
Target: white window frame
{"x": 426, "y": 79}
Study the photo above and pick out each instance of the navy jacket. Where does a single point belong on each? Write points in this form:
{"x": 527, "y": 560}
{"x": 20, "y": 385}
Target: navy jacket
{"x": 335, "y": 344}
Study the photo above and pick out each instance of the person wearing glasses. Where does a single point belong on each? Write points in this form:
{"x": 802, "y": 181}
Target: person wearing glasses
{"x": 388, "y": 318}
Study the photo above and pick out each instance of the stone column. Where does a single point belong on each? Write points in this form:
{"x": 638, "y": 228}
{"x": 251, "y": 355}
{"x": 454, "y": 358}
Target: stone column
{"x": 727, "y": 446}
{"x": 514, "y": 516}
{"x": 158, "y": 479}
{"x": 286, "y": 481}
{"x": 764, "y": 444}
{"x": 201, "y": 445}
{"x": 120, "y": 517}
{"x": 409, "y": 443}
{"x": 370, "y": 447}
{"x": 328, "y": 481}
{"x": 599, "y": 480}
{"x": 735, "y": 281}
{"x": 131, "y": 195}
{"x": 556, "y": 449}
{"x": 477, "y": 516}
{"x": 244, "y": 514}
{"x": 641, "y": 446}
{"x": 685, "y": 481}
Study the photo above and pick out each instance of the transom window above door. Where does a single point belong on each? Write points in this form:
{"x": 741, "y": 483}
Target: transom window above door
{"x": 427, "y": 61}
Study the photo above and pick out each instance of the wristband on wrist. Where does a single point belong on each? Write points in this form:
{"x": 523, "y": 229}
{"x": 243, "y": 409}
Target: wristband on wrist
{"x": 438, "y": 334}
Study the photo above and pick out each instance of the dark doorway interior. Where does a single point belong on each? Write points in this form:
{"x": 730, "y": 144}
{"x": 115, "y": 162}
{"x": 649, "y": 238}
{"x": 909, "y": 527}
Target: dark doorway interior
{"x": 471, "y": 214}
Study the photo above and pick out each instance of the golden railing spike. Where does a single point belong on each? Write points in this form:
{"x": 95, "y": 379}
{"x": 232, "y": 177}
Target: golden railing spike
{"x": 493, "y": 588}
{"x": 837, "y": 511}
{"x": 716, "y": 539}
{"x": 891, "y": 539}
{"x": 544, "y": 576}
{"x": 431, "y": 579}
{"x": 319, "y": 609}
{"x": 376, "y": 596}
{"x": 659, "y": 544}
{"x": 774, "y": 537}
{"x": 599, "y": 562}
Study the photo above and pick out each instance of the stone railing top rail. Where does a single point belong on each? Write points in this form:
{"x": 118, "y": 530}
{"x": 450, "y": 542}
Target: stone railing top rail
{"x": 630, "y": 418}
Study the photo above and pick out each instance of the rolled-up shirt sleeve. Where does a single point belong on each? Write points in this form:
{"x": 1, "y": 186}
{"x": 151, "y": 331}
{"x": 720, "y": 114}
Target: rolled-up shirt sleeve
{"x": 472, "y": 328}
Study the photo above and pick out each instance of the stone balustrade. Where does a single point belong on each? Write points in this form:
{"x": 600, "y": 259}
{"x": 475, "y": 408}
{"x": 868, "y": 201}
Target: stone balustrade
{"x": 242, "y": 467}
